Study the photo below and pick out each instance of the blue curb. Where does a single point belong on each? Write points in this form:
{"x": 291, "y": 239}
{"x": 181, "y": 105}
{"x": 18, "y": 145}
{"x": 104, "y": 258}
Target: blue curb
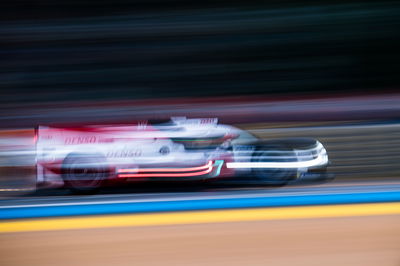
{"x": 194, "y": 205}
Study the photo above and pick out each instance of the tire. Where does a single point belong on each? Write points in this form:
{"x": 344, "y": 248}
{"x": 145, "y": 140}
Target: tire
{"x": 273, "y": 176}
{"x": 84, "y": 173}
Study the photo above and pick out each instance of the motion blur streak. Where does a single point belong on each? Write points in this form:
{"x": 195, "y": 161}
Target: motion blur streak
{"x": 279, "y": 76}
{"x": 75, "y": 51}
{"x": 201, "y": 217}
{"x": 366, "y": 241}
{"x": 357, "y": 150}
{"x": 189, "y": 169}
{"x": 317, "y": 161}
{"x": 169, "y": 175}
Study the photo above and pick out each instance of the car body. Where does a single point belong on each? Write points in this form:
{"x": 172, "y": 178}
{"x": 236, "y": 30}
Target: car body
{"x": 88, "y": 157}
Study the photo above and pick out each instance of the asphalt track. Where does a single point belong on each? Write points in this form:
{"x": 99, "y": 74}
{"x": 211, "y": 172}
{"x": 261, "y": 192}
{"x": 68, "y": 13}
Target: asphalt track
{"x": 346, "y": 223}
{"x": 157, "y": 194}
{"x": 230, "y": 204}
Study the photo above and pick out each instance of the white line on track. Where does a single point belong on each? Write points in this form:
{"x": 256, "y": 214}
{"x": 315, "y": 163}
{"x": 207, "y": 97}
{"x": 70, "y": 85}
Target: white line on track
{"x": 255, "y": 195}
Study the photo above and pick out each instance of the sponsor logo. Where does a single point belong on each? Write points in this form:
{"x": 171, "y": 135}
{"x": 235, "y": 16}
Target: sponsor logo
{"x": 80, "y": 140}
{"x": 126, "y": 153}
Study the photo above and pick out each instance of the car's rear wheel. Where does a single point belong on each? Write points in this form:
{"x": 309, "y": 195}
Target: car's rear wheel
{"x": 84, "y": 173}
{"x": 274, "y": 154}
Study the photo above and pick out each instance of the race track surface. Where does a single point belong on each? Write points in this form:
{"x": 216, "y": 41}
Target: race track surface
{"x": 292, "y": 232}
{"x": 332, "y": 241}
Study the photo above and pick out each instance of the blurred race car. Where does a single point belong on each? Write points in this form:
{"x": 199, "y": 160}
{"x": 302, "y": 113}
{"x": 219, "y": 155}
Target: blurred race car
{"x": 86, "y": 158}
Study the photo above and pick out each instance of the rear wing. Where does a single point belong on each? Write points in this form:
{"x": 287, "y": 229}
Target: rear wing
{"x": 182, "y": 120}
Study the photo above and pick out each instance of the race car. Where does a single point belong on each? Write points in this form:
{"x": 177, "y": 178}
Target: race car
{"x": 86, "y": 158}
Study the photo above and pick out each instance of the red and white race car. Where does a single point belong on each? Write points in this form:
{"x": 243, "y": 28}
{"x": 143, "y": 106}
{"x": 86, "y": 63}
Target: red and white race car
{"x": 89, "y": 157}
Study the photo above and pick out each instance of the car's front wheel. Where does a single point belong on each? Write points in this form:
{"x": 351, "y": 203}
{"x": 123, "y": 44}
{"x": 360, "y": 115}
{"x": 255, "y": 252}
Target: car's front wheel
{"x": 273, "y": 154}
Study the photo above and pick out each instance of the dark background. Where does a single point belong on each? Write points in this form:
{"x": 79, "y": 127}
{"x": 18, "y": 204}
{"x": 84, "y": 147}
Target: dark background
{"x": 83, "y": 50}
